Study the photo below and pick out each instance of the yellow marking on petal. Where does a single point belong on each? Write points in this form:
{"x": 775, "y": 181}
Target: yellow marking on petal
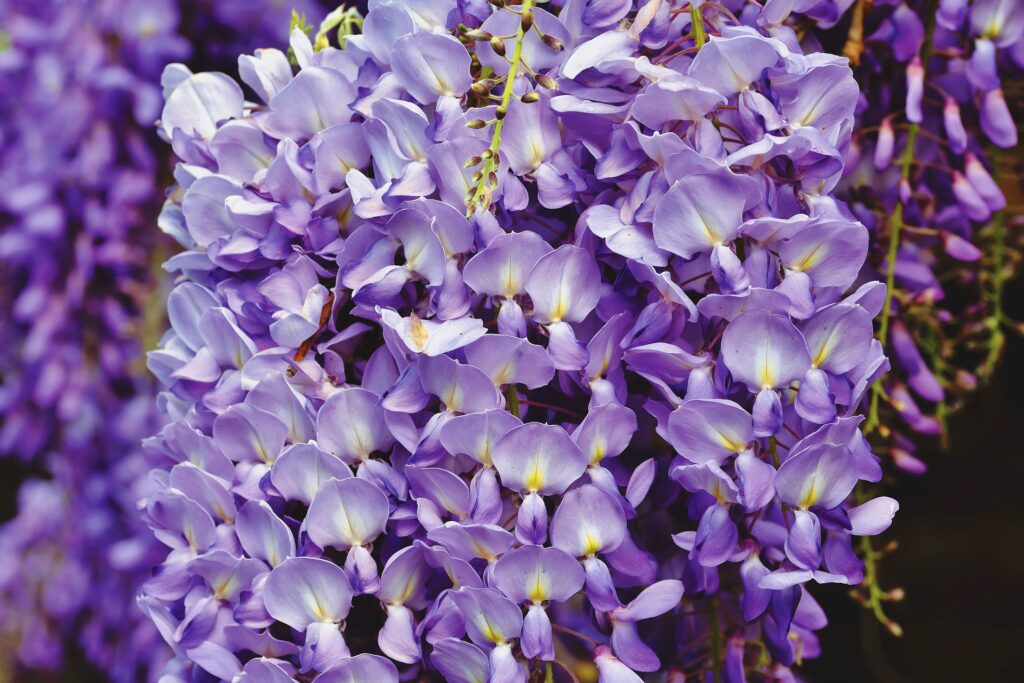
{"x": 344, "y": 216}
{"x": 561, "y": 307}
{"x": 451, "y": 397}
{"x": 511, "y": 286}
{"x": 418, "y": 332}
{"x": 707, "y": 233}
{"x": 485, "y": 454}
{"x": 262, "y": 453}
{"x": 597, "y": 455}
{"x": 734, "y": 446}
{"x": 810, "y": 497}
{"x": 223, "y": 587}
{"x": 535, "y": 480}
{"x": 823, "y": 353}
{"x": 503, "y": 375}
{"x": 591, "y": 544}
{"x": 809, "y": 260}
{"x": 538, "y": 592}
{"x": 718, "y": 493}
{"x": 490, "y": 633}
{"x": 482, "y": 552}
{"x": 536, "y": 154}
{"x": 406, "y": 593}
{"x": 767, "y": 376}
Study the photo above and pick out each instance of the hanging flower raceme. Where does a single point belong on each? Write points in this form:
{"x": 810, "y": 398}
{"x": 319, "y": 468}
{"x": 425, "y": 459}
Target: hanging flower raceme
{"x": 78, "y": 86}
{"x": 79, "y": 90}
{"x": 511, "y": 340}
{"x": 920, "y": 174}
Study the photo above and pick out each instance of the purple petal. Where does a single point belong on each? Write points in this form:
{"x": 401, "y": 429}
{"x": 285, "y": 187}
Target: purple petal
{"x": 764, "y": 350}
{"x": 431, "y": 65}
{"x": 564, "y": 285}
{"x": 588, "y": 521}
{"x": 346, "y": 513}
{"x": 306, "y": 590}
{"x": 540, "y": 458}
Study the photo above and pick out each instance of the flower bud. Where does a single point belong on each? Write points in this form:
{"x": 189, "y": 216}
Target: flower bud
{"x": 498, "y": 45}
{"x": 968, "y": 198}
{"x": 959, "y": 248}
{"x": 527, "y": 21}
{"x": 472, "y": 161}
{"x": 996, "y": 120}
{"x": 983, "y": 182}
{"x": 553, "y": 42}
{"x": 475, "y": 124}
{"x": 954, "y": 126}
{"x": 479, "y": 34}
{"x": 480, "y": 88}
{"x": 530, "y": 97}
{"x": 885, "y": 145}
{"x": 915, "y": 89}
{"x": 545, "y": 81}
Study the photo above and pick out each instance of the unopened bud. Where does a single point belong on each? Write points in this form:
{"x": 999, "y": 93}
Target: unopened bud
{"x": 475, "y": 124}
{"x": 487, "y": 153}
{"x": 527, "y": 20}
{"x": 472, "y": 161}
{"x": 500, "y": 112}
{"x": 500, "y": 4}
{"x": 480, "y": 88}
{"x": 894, "y": 628}
{"x": 545, "y": 81}
{"x": 498, "y": 45}
{"x": 896, "y": 595}
{"x": 477, "y": 176}
{"x": 552, "y": 42}
{"x": 479, "y": 34}
{"x": 530, "y": 97}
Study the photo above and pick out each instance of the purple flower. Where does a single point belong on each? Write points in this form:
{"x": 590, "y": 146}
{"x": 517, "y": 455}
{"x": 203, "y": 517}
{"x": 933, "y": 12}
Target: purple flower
{"x": 514, "y": 322}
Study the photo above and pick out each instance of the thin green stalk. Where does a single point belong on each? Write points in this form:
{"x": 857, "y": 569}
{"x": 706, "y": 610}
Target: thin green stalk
{"x": 480, "y": 198}
{"x": 996, "y": 318}
{"x": 700, "y": 35}
{"x": 875, "y": 595}
{"x": 906, "y": 163}
{"x": 512, "y": 399}
{"x": 549, "y": 673}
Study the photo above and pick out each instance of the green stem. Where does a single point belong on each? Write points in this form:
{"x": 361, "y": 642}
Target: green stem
{"x": 906, "y": 163}
{"x": 716, "y": 642}
{"x": 480, "y": 198}
{"x": 512, "y": 399}
{"x": 700, "y": 35}
{"x": 875, "y": 595}
{"x": 995, "y": 319}
{"x": 549, "y": 673}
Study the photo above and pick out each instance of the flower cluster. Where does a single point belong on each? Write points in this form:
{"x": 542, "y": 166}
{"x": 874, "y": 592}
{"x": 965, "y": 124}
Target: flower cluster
{"x": 82, "y": 171}
{"x": 920, "y": 176}
{"x": 509, "y": 341}
{"x": 78, "y": 84}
